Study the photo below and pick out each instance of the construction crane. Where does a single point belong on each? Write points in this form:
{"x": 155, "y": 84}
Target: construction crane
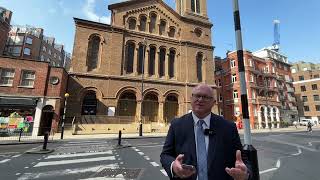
{"x": 276, "y": 35}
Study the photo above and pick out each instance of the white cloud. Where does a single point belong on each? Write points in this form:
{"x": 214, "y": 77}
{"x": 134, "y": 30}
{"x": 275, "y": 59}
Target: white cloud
{"x": 88, "y": 10}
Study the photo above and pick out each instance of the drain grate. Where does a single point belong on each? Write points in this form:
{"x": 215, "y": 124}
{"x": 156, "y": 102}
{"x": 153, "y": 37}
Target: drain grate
{"x": 120, "y": 172}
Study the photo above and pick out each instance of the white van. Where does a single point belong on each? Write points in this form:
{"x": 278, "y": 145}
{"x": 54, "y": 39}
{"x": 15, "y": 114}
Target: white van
{"x": 304, "y": 122}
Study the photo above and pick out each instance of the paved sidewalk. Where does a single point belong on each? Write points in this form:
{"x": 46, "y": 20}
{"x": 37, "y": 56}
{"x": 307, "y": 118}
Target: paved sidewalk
{"x": 56, "y": 137}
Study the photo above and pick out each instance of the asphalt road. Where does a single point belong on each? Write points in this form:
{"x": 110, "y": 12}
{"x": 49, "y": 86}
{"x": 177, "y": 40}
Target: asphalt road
{"x": 281, "y": 156}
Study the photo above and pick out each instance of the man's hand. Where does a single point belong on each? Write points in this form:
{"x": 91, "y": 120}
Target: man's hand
{"x": 178, "y": 170}
{"x": 240, "y": 171}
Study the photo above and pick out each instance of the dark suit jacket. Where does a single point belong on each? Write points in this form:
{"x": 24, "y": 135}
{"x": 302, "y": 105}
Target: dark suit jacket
{"x": 221, "y": 149}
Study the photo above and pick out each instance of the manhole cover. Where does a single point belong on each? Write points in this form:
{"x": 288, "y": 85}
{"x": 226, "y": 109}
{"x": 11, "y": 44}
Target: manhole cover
{"x": 120, "y": 172}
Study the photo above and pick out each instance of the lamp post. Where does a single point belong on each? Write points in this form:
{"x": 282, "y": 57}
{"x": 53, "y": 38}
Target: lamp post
{"x": 248, "y": 149}
{"x": 66, "y": 95}
{"x": 142, "y": 79}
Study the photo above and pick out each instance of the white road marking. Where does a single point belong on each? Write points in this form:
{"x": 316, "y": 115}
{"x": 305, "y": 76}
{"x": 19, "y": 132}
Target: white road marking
{"x": 83, "y": 142}
{"x": 77, "y": 155}
{"x": 310, "y": 143}
{"x": 103, "y": 178}
{"x": 272, "y": 169}
{"x": 141, "y": 153}
{"x": 17, "y": 174}
{"x": 42, "y": 175}
{"x": 291, "y": 144}
{"x": 146, "y": 157}
{"x": 6, "y": 153}
{"x": 52, "y": 163}
{"x": 15, "y": 156}
{"x": 164, "y": 172}
{"x": 298, "y": 153}
{"x": 154, "y": 164}
{"x": 5, "y": 160}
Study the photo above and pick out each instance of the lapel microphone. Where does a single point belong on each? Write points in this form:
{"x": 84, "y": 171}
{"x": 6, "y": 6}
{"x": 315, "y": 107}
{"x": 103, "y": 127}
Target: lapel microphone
{"x": 209, "y": 132}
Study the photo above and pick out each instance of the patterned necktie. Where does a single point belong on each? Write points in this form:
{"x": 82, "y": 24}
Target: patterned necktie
{"x": 201, "y": 152}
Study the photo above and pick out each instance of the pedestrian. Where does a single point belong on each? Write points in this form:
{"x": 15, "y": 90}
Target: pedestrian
{"x": 309, "y": 128}
{"x": 193, "y": 153}
{"x": 295, "y": 124}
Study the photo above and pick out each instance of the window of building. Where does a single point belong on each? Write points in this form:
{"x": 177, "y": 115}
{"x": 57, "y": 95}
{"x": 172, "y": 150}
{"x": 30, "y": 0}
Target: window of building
{"x": 162, "y": 28}
{"x": 44, "y": 49}
{"x": 42, "y": 58}
{"x": 27, "y": 51}
{"x": 234, "y": 78}
{"x": 301, "y": 78}
{"x": 132, "y": 24}
{"x": 172, "y": 31}
{"x": 219, "y": 82}
{"x": 235, "y": 94}
{"x": 316, "y": 97}
{"x": 15, "y": 51}
{"x": 198, "y": 32}
{"x": 162, "y": 59}
{"x": 293, "y": 70}
{"x": 130, "y": 57}
{"x": 199, "y": 66}
{"x": 306, "y": 108}
{"x": 55, "y": 55}
{"x": 172, "y": 56}
{"x": 314, "y": 87}
{"x": 29, "y": 40}
{"x": 303, "y": 88}
{"x": 27, "y": 78}
{"x": 6, "y": 76}
{"x": 317, "y": 107}
{"x": 233, "y": 63}
{"x": 93, "y": 52}
{"x": 304, "y": 98}
{"x": 305, "y": 69}
{"x": 250, "y": 62}
{"x": 195, "y": 6}
{"x": 153, "y": 22}
{"x": 152, "y": 57}
{"x": 140, "y": 69}
{"x": 220, "y": 97}
{"x": 89, "y": 104}
{"x": 251, "y": 78}
{"x": 49, "y": 52}
{"x": 143, "y": 23}
{"x": 316, "y": 76}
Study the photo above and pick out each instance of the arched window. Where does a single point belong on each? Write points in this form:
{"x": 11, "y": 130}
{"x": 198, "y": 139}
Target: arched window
{"x": 130, "y": 57}
{"x": 127, "y": 104}
{"x": 162, "y": 59}
{"x": 199, "y": 67}
{"x": 153, "y": 20}
{"x": 172, "y": 32}
{"x": 162, "y": 28}
{"x": 93, "y": 52}
{"x": 195, "y": 6}
{"x": 89, "y": 104}
{"x": 198, "y": 32}
{"x": 152, "y": 57}
{"x": 143, "y": 23}
{"x": 141, "y": 57}
{"x": 172, "y": 55}
{"x": 132, "y": 24}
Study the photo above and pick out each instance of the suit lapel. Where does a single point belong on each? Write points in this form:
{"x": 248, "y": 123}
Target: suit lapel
{"x": 190, "y": 124}
{"x": 212, "y": 140}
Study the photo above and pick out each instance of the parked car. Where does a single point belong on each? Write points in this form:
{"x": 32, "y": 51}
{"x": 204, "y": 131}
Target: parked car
{"x": 304, "y": 122}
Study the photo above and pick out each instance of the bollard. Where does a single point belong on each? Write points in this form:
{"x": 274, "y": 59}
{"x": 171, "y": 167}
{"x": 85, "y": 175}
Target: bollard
{"x": 46, "y": 135}
{"x": 119, "y": 138}
{"x": 20, "y": 134}
{"x": 140, "y": 129}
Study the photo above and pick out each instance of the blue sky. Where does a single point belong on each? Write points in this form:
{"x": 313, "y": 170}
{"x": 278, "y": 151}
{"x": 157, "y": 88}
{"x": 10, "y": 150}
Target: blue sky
{"x": 299, "y": 27}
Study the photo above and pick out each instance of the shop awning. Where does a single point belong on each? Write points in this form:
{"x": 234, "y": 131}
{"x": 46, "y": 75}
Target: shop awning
{"x": 20, "y": 102}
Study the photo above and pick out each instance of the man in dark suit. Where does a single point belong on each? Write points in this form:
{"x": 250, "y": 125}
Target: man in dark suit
{"x": 203, "y": 146}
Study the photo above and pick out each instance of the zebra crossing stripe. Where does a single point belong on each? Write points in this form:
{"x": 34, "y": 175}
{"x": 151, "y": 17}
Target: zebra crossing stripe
{"x": 73, "y": 161}
{"x": 154, "y": 164}
{"x": 77, "y": 154}
{"x": 56, "y": 173}
{"x": 164, "y": 172}
{"x": 5, "y": 160}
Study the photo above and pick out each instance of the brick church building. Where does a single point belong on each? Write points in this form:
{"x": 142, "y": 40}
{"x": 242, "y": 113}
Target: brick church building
{"x": 141, "y": 68}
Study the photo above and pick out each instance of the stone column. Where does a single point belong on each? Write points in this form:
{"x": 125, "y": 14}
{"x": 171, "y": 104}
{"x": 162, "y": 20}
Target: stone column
{"x": 138, "y": 111}
{"x": 166, "y": 65}
{"x": 160, "y": 113}
{"x": 266, "y": 117}
{"x": 271, "y": 115}
{"x": 146, "y": 63}
{"x": 37, "y": 117}
{"x": 278, "y": 119}
{"x": 156, "y": 64}
{"x": 135, "y": 61}
{"x": 259, "y": 119}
